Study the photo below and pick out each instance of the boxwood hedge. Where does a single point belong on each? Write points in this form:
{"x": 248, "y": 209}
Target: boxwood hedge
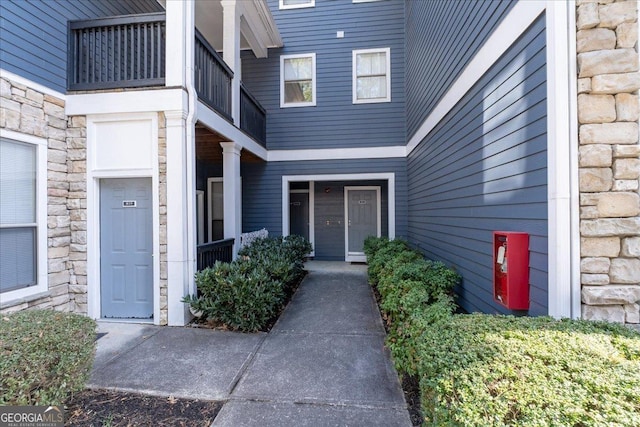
{"x": 489, "y": 370}
{"x": 45, "y": 356}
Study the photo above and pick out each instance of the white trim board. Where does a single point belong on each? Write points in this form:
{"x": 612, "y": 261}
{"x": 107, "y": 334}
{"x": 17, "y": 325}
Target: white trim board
{"x": 509, "y": 30}
{"x": 395, "y": 151}
{"x": 562, "y": 169}
{"x": 132, "y": 101}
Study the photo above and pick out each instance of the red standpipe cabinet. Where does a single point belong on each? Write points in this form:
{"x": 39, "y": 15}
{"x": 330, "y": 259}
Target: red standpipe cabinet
{"x": 511, "y": 269}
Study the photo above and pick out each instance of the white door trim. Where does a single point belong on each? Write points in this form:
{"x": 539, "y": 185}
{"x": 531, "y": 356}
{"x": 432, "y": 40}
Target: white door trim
{"x": 210, "y": 206}
{"x": 357, "y": 256}
{"x": 312, "y": 216}
{"x": 390, "y": 177}
{"x": 93, "y": 209}
{"x": 200, "y": 216}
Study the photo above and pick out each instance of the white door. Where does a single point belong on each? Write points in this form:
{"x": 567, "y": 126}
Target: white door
{"x": 362, "y": 219}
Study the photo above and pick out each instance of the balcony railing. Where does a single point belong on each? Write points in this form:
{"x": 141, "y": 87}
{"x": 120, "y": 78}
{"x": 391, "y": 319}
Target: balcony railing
{"x": 118, "y": 52}
{"x": 253, "y": 118}
{"x": 212, "y": 78}
{"x": 209, "y": 253}
{"x": 130, "y": 51}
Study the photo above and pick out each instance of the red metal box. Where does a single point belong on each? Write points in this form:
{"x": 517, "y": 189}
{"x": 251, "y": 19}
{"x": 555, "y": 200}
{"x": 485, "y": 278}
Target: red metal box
{"x": 511, "y": 269}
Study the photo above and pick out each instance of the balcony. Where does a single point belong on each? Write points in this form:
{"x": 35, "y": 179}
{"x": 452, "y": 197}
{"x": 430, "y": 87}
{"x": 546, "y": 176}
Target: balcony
{"x": 130, "y": 52}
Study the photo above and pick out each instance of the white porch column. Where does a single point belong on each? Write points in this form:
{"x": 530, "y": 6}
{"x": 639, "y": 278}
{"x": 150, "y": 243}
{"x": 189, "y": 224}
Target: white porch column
{"x": 231, "y": 51}
{"x": 178, "y": 269}
{"x": 177, "y": 43}
{"x": 232, "y": 193}
{"x": 180, "y": 24}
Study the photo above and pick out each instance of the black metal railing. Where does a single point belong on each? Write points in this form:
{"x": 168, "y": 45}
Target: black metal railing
{"x": 212, "y": 78}
{"x": 117, "y": 52}
{"x": 253, "y": 118}
{"x": 209, "y": 253}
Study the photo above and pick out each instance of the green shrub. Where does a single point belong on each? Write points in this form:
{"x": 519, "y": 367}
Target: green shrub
{"x": 406, "y": 333}
{"x": 247, "y": 293}
{"x": 386, "y": 250}
{"x": 241, "y": 295}
{"x": 45, "y": 356}
{"x": 483, "y": 370}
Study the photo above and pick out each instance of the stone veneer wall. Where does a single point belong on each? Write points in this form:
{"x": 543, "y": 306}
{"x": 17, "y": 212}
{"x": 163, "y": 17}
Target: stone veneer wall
{"x": 608, "y": 83}
{"x": 162, "y": 191}
{"x": 77, "y": 206}
{"x": 28, "y": 111}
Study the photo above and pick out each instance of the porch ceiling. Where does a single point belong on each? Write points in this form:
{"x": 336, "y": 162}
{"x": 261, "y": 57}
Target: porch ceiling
{"x": 258, "y": 28}
{"x": 208, "y": 147}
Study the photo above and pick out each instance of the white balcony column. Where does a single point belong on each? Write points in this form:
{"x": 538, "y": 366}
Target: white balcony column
{"x": 231, "y": 51}
{"x": 232, "y": 193}
{"x": 179, "y": 226}
{"x": 180, "y": 40}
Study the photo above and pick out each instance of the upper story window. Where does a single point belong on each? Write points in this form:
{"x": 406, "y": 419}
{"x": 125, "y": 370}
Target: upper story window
{"x": 371, "y": 75}
{"x": 296, "y": 4}
{"x": 22, "y": 232}
{"x": 298, "y": 80}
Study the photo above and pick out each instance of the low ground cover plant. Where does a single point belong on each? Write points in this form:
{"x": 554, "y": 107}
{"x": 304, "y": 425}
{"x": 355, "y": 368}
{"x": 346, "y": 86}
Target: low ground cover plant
{"x": 45, "y": 356}
{"x": 245, "y": 294}
{"x": 489, "y": 370}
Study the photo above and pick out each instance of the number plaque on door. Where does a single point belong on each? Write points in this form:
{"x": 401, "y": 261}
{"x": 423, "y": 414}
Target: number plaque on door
{"x": 128, "y": 203}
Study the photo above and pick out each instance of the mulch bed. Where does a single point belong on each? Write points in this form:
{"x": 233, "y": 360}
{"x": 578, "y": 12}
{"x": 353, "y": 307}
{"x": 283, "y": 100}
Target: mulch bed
{"x": 111, "y": 408}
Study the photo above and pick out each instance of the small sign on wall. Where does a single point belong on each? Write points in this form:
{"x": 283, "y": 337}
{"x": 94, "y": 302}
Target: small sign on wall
{"x": 128, "y": 203}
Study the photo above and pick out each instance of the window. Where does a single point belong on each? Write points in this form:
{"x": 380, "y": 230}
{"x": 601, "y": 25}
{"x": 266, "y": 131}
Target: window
{"x": 216, "y": 209}
{"x": 22, "y": 258}
{"x": 371, "y": 75}
{"x": 296, "y": 4}
{"x": 298, "y": 80}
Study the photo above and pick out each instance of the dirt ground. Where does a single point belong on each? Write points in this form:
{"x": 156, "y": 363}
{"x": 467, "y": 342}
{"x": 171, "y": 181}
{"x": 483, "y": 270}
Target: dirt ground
{"x": 100, "y": 408}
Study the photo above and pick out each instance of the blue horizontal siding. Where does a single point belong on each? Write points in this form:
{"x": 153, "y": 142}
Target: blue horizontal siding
{"x": 335, "y": 121}
{"x": 33, "y": 35}
{"x": 484, "y": 168}
{"x": 262, "y": 189}
{"x": 441, "y": 39}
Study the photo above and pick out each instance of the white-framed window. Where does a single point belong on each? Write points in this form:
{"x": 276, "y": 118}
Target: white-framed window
{"x": 371, "y": 75}
{"x": 296, "y": 4}
{"x": 298, "y": 80}
{"x": 23, "y": 215}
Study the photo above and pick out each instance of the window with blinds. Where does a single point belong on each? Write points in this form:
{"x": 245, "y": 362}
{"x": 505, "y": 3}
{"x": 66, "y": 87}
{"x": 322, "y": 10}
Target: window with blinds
{"x": 18, "y": 225}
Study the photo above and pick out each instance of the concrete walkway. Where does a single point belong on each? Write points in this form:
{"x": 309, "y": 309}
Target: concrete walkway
{"x": 323, "y": 363}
